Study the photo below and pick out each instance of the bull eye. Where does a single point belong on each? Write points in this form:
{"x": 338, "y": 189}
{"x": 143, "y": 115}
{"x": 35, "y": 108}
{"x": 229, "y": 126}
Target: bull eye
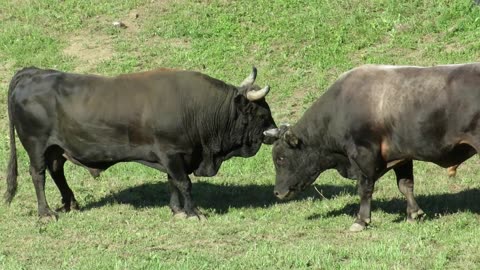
{"x": 281, "y": 161}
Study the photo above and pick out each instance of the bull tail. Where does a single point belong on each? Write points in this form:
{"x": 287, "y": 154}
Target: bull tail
{"x": 12, "y": 169}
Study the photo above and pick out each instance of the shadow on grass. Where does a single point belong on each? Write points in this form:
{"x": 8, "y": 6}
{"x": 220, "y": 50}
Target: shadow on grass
{"x": 432, "y": 205}
{"x": 212, "y": 196}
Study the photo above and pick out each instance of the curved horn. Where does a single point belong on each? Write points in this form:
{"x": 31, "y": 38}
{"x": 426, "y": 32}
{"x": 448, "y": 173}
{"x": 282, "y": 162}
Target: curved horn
{"x": 250, "y": 79}
{"x": 256, "y": 95}
{"x": 273, "y": 132}
{"x": 276, "y": 133}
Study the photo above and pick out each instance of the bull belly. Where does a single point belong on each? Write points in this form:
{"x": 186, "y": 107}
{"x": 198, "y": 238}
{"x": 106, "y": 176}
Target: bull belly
{"x": 94, "y": 155}
{"x": 457, "y": 155}
{"x": 445, "y": 157}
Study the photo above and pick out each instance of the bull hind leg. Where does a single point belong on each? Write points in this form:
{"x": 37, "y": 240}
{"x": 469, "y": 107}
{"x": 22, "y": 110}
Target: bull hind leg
{"x": 37, "y": 171}
{"x": 44, "y": 211}
{"x": 55, "y": 163}
{"x": 405, "y": 183}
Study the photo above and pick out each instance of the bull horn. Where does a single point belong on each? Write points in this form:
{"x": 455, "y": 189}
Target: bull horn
{"x": 273, "y": 132}
{"x": 250, "y": 79}
{"x": 256, "y": 95}
{"x": 276, "y": 132}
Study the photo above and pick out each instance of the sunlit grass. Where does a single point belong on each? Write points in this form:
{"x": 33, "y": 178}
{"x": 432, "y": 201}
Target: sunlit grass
{"x": 299, "y": 47}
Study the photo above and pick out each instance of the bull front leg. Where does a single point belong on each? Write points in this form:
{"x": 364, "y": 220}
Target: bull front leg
{"x": 175, "y": 201}
{"x": 366, "y": 167}
{"x": 180, "y": 182}
{"x": 365, "y": 190}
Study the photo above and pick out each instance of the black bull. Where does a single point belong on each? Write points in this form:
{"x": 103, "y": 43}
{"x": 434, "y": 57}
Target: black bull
{"x": 375, "y": 118}
{"x": 179, "y": 122}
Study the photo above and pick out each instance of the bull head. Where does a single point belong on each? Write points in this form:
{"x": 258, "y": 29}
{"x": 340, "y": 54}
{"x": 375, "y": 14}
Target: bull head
{"x": 247, "y": 84}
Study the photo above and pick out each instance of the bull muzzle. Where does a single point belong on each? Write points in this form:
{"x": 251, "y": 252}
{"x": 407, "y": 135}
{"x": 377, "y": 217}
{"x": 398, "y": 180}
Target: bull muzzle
{"x": 284, "y": 195}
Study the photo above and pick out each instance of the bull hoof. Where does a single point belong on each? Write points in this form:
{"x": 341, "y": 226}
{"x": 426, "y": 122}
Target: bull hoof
{"x": 415, "y": 216}
{"x": 180, "y": 215}
{"x": 357, "y": 227}
{"x": 199, "y": 217}
{"x": 47, "y": 218}
{"x": 74, "y": 205}
{"x": 196, "y": 215}
{"x": 65, "y": 208}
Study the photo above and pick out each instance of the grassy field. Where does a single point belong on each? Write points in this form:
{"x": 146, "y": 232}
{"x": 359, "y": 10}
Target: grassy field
{"x": 300, "y": 47}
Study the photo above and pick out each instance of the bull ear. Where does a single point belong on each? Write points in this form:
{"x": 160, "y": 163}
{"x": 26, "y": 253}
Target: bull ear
{"x": 242, "y": 104}
{"x": 291, "y": 139}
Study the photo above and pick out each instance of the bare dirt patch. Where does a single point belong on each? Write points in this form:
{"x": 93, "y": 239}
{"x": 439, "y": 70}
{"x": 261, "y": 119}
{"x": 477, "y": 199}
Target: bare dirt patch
{"x": 129, "y": 23}
{"x": 6, "y": 71}
{"x": 455, "y": 47}
{"x": 137, "y": 18}
{"x": 133, "y": 21}
{"x": 92, "y": 46}
{"x": 90, "y": 50}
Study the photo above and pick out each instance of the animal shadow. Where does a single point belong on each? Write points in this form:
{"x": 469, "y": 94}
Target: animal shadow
{"x": 219, "y": 197}
{"x": 434, "y": 205}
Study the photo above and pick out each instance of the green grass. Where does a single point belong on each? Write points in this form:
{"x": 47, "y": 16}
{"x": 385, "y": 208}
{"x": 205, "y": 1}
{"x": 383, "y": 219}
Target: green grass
{"x": 300, "y": 47}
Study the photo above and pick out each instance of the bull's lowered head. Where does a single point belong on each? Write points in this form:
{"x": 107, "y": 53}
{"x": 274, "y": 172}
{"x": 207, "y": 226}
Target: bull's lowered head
{"x": 297, "y": 165}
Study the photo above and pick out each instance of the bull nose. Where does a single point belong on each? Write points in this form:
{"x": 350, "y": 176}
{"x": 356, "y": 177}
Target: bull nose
{"x": 279, "y": 195}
